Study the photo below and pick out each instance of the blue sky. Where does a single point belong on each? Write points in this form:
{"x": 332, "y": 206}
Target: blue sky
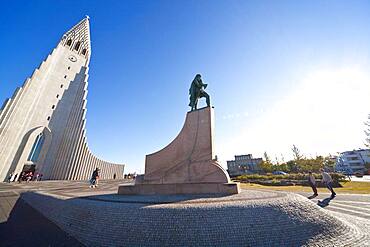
{"x": 279, "y": 72}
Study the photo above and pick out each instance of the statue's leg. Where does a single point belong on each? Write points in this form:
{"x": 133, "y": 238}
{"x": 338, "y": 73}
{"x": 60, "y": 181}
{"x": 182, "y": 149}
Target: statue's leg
{"x": 207, "y": 99}
{"x": 191, "y": 103}
{"x": 204, "y": 94}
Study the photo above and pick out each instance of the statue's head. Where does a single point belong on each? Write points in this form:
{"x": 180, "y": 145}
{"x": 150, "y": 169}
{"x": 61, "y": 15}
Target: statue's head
{"x": 197, "y": 76}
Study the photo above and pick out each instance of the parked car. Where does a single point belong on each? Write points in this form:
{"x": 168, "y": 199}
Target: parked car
{"x": 279, "y": 173}
{"x": 359, "y": 175}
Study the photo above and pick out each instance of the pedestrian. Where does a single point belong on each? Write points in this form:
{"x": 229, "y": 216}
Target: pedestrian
{"x": 21, "y": 176}
{"x": 328, "y": 181}
{"x": 15, "y": 177}
{"x": 40, "y": 177}
{"x": 94, "y": 178}
{"x": 312, "y": 183}
{"x": 10, "y": 177}
{"x": 29, "y": 177}
{"x": 97, "y": 177}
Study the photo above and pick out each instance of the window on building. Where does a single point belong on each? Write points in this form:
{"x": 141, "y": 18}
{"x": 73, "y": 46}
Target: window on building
{"x": 48, "y": 118}
{"x": 69, "y": 67}
{"x": 36, "y": 148}
{"x": 57, "y": 95}
{"x": 65, "y": 76}
{"x": 53, "y": 107}
{"x": 61, "y": 85}
{"x": 69, "y": 42}
{"x": 84, "y": 52}
{"x": 77, "y": 46}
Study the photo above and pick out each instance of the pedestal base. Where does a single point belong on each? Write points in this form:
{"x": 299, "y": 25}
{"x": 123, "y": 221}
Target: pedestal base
{"x": 184, "y": 188}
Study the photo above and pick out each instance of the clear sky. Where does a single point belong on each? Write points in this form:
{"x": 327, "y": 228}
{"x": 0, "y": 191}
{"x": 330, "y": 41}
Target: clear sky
{"x": 279, "y": 72}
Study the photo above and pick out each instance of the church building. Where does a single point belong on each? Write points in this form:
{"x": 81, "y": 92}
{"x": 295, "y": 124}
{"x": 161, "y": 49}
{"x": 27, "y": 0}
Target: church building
{"x": 42, "y": 126}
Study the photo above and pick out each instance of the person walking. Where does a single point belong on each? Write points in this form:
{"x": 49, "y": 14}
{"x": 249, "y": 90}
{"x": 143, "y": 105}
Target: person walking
{"x": 15, "y": 177}
{"x": 328, "y": 181}
{"x": 29, "y": 177}
{"x": 10, "y": 177}
{"x": 312, "y": 183}
{"x": 97, "y": 177}
{"x": 94, "y": 178}
{"x": 21, "y": 177}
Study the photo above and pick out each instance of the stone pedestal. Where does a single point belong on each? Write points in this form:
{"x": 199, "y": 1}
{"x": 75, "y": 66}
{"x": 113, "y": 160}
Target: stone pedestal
{"x": 187, "y": 165}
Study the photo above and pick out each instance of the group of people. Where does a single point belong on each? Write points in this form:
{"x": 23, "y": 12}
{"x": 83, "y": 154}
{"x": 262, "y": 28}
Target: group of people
{"x": 25, "y": 176}
{"x": 326, "y": 180}
{"x": 129, "y": 176}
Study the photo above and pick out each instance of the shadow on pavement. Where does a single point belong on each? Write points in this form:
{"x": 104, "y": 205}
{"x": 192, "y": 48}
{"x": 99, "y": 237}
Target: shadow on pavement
{"x": 150, "y": 199}
{"x": 27, "y": 227}
{"x": 325, "y": 202}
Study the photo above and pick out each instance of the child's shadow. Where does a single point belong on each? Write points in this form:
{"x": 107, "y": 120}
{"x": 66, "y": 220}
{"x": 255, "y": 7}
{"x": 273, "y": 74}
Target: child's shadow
{"x": 325, "y": 202}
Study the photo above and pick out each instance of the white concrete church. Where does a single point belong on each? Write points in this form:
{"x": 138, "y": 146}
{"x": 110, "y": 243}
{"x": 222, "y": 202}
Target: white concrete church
{"x": 42, "y": 126}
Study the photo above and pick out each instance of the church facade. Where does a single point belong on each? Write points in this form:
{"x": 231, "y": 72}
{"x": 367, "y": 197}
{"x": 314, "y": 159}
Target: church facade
{"x": 42, "y": 126}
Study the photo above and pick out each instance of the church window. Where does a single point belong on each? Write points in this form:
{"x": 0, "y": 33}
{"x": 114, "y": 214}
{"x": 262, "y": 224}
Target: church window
{"x": 36, "y": 148}
{"x": 48, "y": 118}
{"x": 65, "y": 76}
{"x": 77, "y": 46}
{"x": 61, "y": 85}
{"x": 57, "y": 95}
{"x": 69, "y": 67}
{"x": 53, "y": 107}
{"x": 84, "y": 52}
{"x": 69, "y": 42}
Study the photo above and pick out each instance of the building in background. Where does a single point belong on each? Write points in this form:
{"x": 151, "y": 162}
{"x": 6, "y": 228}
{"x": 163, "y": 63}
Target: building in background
{"x": 42, "y": 127}
{"x": 352, "y": 162}
{"x": 243, "y": 164}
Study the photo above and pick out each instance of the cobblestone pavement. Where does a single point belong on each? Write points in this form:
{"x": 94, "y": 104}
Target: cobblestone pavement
{"x": 350, "y": 204}
{"x": 22, "y": 225}
{"x": 99, "y": 217}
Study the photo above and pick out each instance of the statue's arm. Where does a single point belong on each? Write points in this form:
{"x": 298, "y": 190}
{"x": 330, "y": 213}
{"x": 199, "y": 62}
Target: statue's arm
{"x": 200, "y": 83}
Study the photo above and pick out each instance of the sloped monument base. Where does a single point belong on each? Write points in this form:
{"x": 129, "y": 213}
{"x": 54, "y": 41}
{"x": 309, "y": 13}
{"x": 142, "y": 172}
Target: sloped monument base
{"x": 187, "y": 165}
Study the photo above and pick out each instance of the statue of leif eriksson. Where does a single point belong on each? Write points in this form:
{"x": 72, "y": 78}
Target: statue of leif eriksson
{"x": 196, "y": 92}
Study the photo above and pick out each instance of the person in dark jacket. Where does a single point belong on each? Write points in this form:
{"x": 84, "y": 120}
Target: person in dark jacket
{"x": 312, "y": 183}
{"x": 94, "y": 178}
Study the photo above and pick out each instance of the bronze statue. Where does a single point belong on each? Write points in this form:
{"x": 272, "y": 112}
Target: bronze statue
{"x": 196, "y": 91}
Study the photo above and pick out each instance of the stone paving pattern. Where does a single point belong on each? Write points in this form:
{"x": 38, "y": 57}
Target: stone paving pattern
{"x": 100, "y": 217}
{"x": 22, "y": 225}
{"x": 252, "y": 218}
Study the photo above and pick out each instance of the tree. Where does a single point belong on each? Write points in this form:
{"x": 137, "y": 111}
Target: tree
{"x": 266, "y": 164}
{"x": 296, "y": 153}
{"x": 292, "y": 166}
{"x": 277, "y": 160}
{"x": 329, "y": 163}
{"x": 267, "y": 158}
{"x": 367, "y": 132}
{"x": 282, "y": 158}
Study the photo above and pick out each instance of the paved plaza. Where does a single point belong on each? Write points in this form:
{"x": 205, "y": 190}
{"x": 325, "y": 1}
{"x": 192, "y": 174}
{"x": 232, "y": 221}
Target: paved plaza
{"x": 77, "y": 215}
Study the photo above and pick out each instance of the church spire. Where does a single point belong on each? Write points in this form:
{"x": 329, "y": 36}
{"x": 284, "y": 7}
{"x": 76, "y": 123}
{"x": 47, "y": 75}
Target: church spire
{"x": 78, "y": 38}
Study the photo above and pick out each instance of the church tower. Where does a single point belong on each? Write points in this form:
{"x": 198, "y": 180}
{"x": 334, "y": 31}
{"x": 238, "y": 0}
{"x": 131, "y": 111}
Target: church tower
{"x": 42, "y": 126}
